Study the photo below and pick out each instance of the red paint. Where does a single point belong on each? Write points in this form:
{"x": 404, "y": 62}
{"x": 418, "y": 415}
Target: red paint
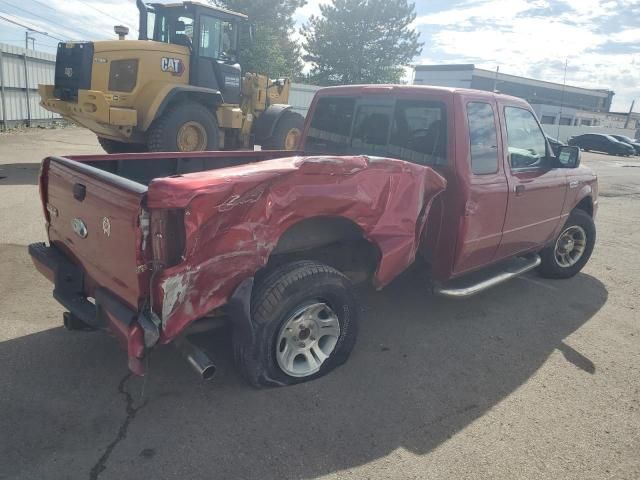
{"x": 233, "y": 217}
{"x": 236, "y": 216}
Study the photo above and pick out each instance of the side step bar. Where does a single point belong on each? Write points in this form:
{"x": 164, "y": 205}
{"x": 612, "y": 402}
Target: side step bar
{"x": 469, "y": 290}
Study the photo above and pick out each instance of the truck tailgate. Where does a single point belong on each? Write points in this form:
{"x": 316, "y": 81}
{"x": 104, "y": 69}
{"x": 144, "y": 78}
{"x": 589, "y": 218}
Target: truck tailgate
{"x": 94, "y": 217}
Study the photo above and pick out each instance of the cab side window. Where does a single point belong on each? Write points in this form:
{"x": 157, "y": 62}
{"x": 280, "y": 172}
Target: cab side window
{"x": 526, "y": 142}
{"x": 483, "y": 138}
{"x": 210, "y": 37}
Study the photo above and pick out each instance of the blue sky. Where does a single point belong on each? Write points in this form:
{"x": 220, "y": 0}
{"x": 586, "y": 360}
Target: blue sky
{"x": 599, "y": 39}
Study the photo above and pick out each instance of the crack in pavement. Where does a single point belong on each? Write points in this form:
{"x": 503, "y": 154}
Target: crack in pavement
{"x": 132, "y": 411}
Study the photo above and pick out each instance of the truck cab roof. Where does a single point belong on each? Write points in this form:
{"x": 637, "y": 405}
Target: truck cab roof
{"x": 200, "y": 5}
{"x": 414, "y": 90}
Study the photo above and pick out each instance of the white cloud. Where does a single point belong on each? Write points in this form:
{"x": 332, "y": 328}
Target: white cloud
{"x": 511, "y": 35}
{"x": 491, "y": 11}
{"x": 631, "y": 35}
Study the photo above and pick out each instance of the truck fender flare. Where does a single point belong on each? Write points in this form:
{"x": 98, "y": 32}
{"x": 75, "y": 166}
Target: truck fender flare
{"x": 206, "y": 96}
{"x": 265, "y": 124}
{"x": 584, "y": 200}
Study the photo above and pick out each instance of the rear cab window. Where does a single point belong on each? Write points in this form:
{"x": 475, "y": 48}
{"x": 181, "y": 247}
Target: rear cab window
{"x": 411, "y": 130}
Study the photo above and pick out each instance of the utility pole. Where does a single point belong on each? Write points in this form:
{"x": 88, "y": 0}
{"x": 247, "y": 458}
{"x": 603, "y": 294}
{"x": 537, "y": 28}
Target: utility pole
{"x": 26, "y": 76}
{"x": 495, "y": 79}
{"x": 27, "y": 37}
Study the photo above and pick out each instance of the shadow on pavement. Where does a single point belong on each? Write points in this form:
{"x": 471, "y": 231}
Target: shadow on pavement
{"x": 19, "y": 173}
{"x": 424, "y": 368}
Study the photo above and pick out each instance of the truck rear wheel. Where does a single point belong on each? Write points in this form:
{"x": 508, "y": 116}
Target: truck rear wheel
{"x": 304, "y": 317}
{"x": 184, "y": 127}
{"x": 113, "y": 146}
{"x": 572, "y": 248}
{"x": 287, "y": 132}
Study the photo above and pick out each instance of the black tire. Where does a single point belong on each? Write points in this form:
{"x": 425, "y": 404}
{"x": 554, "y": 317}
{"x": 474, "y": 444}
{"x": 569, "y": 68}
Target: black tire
{"x": 289, "y": 121}
{"x": 163, "y": 133}
{"x": 113, "y": 146}
{"x": 274, "y": 300}
{"x": 550, "y": 268}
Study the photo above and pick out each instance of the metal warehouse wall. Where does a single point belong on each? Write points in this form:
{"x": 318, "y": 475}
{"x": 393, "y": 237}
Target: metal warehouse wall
{"x": 14, "y": 91}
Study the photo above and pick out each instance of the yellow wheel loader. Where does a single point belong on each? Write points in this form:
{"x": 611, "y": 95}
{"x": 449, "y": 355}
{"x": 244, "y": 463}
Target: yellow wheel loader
{"x": 177, "y": 88}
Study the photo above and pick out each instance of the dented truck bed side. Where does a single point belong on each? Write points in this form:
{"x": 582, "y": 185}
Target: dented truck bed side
{"x": 234, "y": 217}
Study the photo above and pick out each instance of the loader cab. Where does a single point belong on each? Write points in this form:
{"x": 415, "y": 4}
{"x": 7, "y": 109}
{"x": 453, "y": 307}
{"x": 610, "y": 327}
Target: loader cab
{"x": 211, "y": 34}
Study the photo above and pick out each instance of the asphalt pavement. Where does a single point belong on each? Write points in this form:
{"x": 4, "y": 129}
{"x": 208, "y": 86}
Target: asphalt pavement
{"x": 534, "y": 379}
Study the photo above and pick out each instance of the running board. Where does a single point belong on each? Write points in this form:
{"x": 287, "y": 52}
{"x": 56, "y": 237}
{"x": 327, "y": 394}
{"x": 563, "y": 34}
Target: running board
{"x": 480, "y": 286}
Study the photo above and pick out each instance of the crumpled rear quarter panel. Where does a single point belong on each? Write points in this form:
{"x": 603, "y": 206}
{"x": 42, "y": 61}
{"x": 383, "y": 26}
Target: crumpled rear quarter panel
{"x": 235, "y": 216}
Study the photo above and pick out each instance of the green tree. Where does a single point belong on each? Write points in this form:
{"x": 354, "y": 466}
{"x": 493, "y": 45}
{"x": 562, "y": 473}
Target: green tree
{"x": 272, "y": 51}
{"x": 361, "y": 41}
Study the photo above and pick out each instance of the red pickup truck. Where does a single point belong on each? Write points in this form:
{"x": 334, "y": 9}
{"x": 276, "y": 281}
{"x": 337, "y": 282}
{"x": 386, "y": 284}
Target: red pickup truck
{"x": 153, "y": 247}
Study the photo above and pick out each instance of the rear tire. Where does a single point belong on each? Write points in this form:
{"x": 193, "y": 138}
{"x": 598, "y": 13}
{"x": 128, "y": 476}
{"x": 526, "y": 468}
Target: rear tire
{"x": 113, "y": 146}
{"x": 184, "y": 127}
{"x": 287, "y": 132}
{"x": 304, "y": 324}
{"x": 572, "y": 249}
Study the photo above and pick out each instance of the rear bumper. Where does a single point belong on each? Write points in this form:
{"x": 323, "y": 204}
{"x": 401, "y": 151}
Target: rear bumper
{"x": 93, "y": 110}
{"x": 107, "y": 313}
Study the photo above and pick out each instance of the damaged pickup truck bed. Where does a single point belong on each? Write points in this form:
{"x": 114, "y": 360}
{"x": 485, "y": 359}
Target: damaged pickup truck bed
{"x": 153, "y": 247}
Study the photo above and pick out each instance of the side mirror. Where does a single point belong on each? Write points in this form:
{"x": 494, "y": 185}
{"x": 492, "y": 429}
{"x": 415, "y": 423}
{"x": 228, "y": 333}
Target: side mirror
{"x": 568, "y": 156}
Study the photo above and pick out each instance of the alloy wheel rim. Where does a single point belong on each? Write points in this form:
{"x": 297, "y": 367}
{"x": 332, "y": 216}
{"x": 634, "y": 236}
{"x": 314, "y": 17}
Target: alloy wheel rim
{"x": 570, "y": 246}
{"x": 192, "y": 137}
{"x": 306, "y": 339}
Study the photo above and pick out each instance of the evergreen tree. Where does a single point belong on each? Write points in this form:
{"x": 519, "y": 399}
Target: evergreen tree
{"x": 272, "y": 51}
{"x": 361, "y": 41}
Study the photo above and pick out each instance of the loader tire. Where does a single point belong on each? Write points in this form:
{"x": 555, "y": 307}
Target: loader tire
{"x": 184, "y": 127}
{"x": 113, "y": 146}
{"x": 287, "y": 132}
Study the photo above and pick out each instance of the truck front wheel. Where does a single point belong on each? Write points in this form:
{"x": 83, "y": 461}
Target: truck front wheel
{"x": 572, "y": 248}
{"x": 304, "y": 320}
{"x": 184, "y": 127}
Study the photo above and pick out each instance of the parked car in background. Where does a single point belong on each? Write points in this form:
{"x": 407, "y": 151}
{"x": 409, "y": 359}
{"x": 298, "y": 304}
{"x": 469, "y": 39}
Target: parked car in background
{"x": 599, "y": 142}
{"x": 555, "y": 144}
{"x": 624, "y": 139}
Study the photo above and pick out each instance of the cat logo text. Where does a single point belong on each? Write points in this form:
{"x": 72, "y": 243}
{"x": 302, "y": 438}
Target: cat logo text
{"x": 175, "y": 66}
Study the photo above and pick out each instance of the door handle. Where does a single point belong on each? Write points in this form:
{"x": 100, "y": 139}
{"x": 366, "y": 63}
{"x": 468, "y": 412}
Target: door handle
{"x": 519, "y": 189}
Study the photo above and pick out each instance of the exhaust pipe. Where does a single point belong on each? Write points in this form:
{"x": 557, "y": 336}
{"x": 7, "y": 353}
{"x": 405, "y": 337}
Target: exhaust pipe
{"x": 197, "y": 358}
